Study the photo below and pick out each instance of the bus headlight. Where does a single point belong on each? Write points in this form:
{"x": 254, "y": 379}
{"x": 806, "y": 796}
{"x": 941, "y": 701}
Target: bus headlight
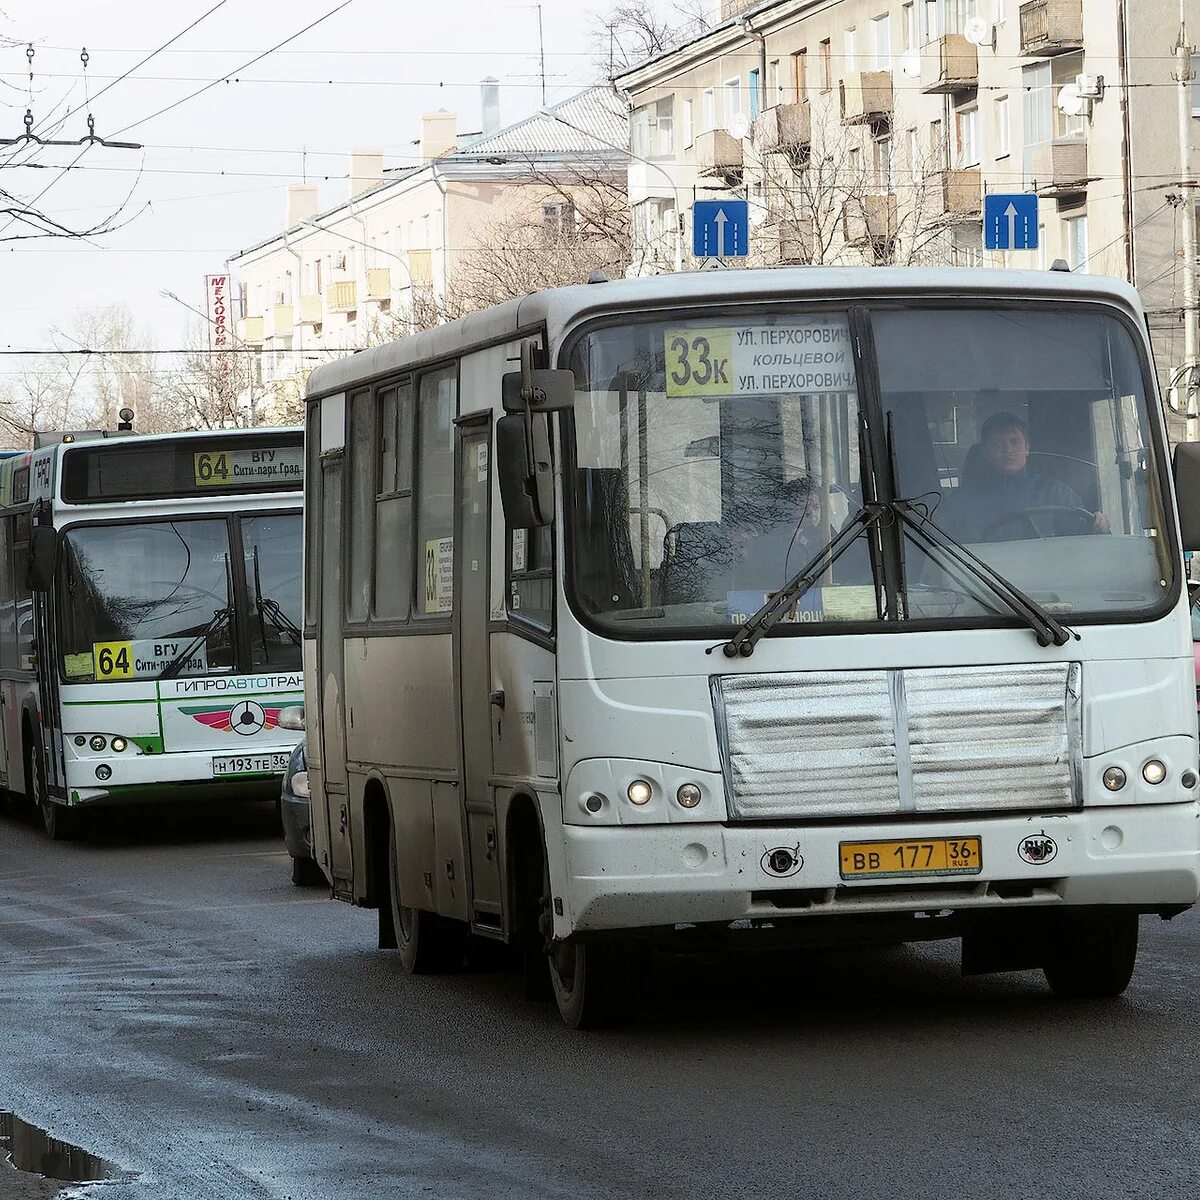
{"x": 97, "y": 743}
{"x": 118, "y": 744}
{"x": 688, "y": 795}
{"x": 639, "y": 792}
{"x": 1154, "y": 771}
{"x": 1114, "y": 779}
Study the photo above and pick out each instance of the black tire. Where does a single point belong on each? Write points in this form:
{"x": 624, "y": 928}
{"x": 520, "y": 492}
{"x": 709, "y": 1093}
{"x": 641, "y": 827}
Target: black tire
{"x": 306, "y": 873}
{"x": 60, "y": 823}
{"x": 427, "y": 944}
{"x": 1093, "y": 955}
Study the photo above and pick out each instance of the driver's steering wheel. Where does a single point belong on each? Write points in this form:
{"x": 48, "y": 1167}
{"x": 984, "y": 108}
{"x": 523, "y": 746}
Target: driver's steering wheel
{"x": 1087, "y": 520}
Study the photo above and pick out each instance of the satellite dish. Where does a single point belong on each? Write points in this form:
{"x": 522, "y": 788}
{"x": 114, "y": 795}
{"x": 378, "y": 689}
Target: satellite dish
{"x": 979, "y": 32}
{"x": 1071, "y": 101}
{"x": 739, "y": 126}
{"x": 910, "y": 64}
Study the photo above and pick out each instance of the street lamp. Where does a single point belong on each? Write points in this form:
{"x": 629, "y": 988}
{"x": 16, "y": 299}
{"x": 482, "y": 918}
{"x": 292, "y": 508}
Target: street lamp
{"x": 553, "y": 116}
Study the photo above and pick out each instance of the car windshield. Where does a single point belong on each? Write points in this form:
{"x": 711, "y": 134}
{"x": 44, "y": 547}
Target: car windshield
{"x": 715, "y": 457}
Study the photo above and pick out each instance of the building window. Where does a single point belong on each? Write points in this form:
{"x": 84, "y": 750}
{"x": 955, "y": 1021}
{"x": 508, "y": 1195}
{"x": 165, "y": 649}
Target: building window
{"x": 1077, "y": 243}
{"x": 885, "y": 166}
{"x": 664, "y": 128}
{"x": 800, "y": 72}
{"x": 559, "y": 222}
{"x": 1065, "y": 69}
{"x": 755, "y": 94}
{"x": 1196, "y": 85}
{"x": 686, "y": 137}
{"x": 850, "y": 48}
{"x": 733, "y": 101}
{"x": 826, "y": 65}
{"x": 1003, "y": 128}
{"x": 966, "y": 246}
{"x": 936, "y": 144}
{"x": 908, "y": 17}
{"x": 967, "y": 127}
{"x": 776, "y": 77}
{"x": 916, "y": 160}
{"x": 881, "y": 37}
{"x": 933, "y": 20}
{"x": 1037, "y": 110}
{"x": 708, "y": 109}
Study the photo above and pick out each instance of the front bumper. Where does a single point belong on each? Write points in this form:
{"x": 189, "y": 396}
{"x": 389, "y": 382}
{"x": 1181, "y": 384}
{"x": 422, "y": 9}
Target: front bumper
{"x": 632, "y": 877}
{"x": 294, "y": 812}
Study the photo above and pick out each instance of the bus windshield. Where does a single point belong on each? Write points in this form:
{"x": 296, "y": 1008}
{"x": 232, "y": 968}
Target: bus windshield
{"x": 136, "y": 596}
{"x": 714, "y": 458}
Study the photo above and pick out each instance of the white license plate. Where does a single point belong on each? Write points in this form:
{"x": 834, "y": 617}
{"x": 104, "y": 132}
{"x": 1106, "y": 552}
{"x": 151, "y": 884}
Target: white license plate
{"x": 250, "y": 764}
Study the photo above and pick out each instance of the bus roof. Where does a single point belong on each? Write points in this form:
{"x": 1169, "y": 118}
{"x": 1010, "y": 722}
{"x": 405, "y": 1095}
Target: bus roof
{"x": 560, "y": 308}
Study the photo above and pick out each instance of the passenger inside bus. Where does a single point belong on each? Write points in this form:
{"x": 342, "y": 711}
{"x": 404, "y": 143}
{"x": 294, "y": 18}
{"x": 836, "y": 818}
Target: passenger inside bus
{"x": 1002, "y": 498}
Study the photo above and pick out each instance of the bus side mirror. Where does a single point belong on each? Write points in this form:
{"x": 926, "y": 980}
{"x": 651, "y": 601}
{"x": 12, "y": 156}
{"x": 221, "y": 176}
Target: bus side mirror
{"x": 548, "y": 391}
{"x": 43, "y": 558}
{"x": 523, "y": 464}
{"x": 1187, "y": 492}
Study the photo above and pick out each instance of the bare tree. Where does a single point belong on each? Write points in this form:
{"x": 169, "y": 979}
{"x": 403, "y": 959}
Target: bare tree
{"x": 629, "y": 33}
{"x": 44, "y": 394}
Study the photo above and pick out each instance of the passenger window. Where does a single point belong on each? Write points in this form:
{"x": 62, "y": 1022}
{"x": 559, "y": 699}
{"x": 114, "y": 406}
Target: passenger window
{"x": 435, "y": 504}
{"x": 361, "y": 482}
{"x": 24, "y": 599}
{"x": 8, "y": 623}
{"x": 312, "y": 517}
{"x": 393, "y": 505}
{"x": 531, "y": 575}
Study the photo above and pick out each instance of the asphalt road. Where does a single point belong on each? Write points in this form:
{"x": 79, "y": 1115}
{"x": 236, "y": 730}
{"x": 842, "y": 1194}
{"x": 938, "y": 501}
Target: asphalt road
{"x": 170, "y": 1001}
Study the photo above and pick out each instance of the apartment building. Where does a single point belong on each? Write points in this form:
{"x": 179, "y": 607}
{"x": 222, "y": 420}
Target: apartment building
{"x": 331, "y": 280}
{"x": 870, "y": 130}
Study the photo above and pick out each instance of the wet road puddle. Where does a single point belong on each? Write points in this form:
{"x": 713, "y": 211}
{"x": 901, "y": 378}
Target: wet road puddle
{"x": 33, "y": 1150}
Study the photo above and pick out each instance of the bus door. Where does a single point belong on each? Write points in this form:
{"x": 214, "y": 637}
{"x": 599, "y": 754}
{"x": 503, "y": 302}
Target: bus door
{"x": 472, "y": 663}
{"x": 331, "y": 666}
{"x": 35, "y": 636}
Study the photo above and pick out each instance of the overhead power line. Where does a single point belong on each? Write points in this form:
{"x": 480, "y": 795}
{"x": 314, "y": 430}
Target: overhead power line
{"x": 237, "y": 70}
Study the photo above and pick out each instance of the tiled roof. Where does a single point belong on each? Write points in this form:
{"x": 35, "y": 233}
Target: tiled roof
{"x": 599, "y": 112}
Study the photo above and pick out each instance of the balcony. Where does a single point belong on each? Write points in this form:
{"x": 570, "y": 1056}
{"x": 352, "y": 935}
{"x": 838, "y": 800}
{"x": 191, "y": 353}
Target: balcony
{"x": 281, "y": 320}
{"x": 784, "y": 129}
{"x": 310, "y": 310}
{"x": 1060, "y": 168}
{"x": 962, "y": 194}
{"x": 869, "y": 220}
{"x": 343, "y": 296}
{"x": 379, "y": 283}
{"x": 1050, "y": 27}
{"x": 250, "y": 331}
{"x": 790, "y": 241}
{"x": 949, "y": 65}
{"x": 867, "y": 97}
{"x": 718, "y": 155}
{"x": 420, "y": 267}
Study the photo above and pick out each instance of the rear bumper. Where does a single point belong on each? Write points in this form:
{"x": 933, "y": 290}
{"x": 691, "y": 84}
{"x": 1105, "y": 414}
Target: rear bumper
{"x": 633, "y": 877}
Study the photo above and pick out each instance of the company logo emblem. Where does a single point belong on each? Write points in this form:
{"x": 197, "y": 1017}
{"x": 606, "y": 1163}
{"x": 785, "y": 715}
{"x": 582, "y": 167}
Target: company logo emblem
{"x": 1038, "y": 849}
{"x": 246, "y": 718}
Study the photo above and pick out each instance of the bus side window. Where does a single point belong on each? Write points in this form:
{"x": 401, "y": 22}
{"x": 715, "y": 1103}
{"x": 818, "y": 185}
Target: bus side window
{"x": 393, "y": 504}
{"x": 312, "y": 519}
{"x": 8, "y": 610}
{"x": 436, "y": 410}
{"x": 22, "y": 595}
{"x": 360, "y": 482}
{"x": 531, "y": 575}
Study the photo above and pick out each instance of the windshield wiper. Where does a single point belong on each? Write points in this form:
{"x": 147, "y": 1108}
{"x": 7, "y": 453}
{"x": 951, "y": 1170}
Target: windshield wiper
{"x": 220, "y": 618}
{"x": 755, "y": 627}
{"x": 1048, "y": 629}
{"x": 271, "y": 609}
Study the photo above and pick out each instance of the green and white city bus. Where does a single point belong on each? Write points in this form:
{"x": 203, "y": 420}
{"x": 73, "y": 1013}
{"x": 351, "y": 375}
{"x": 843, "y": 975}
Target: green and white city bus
{"x": 149, "y": 618}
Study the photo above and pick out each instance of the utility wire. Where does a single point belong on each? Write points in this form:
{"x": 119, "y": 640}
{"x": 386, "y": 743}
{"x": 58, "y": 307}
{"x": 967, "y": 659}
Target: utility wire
{"x": 237, "y": 70}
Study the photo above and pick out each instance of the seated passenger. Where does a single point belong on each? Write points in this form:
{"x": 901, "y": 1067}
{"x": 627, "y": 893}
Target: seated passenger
{"x": 1000, "y": 499}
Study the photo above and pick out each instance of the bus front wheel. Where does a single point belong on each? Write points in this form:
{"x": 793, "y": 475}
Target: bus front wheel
{"x": 428, "y": 944}
{"x": 1093, "y": 955}
{"x": 60, "y": 823}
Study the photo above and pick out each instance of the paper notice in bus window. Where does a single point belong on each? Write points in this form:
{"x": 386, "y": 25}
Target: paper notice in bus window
{"x": 77, "y": 666}
{"x": 518, "y": 550}
{"x": 744, "y": 604}
{"x": 439, "y": 575}
{"x": 850, "y": 603}
{"x": 804, "y": 357}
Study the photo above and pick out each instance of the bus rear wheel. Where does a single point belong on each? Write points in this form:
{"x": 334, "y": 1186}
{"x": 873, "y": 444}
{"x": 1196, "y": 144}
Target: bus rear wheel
{"x": 1093, "y": 955}
{"x": 428, "y": 944}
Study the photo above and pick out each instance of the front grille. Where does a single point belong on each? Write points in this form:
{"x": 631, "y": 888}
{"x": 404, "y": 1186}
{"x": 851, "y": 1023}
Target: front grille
{"x": 883, "y": 743}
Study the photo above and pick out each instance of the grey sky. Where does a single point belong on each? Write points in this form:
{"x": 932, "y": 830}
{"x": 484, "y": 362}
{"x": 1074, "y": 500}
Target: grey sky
{"x": 215, "y": 170}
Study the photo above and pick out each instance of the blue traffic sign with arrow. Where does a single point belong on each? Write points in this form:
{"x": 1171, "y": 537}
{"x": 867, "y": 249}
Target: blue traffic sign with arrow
{"x": 721, "y": 228}
{"x": 1010, "y": 222}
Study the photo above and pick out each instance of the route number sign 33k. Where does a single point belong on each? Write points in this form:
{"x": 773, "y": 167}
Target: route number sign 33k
{"x": 698, "y": 364}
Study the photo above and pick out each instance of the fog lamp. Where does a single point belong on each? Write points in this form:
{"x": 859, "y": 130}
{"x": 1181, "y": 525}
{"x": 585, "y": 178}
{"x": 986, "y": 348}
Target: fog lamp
{"x": 639, "y": 792}
{"x": 688, "y": 795}
{"x": 1154, "y": 771}
{"x": 594, "y": 803}
{"x": 119, "y": 744}
{"x": 104, "y": 771}
{"x": 80, "y": 740}
{"x": 98, "y": 743}
{"x": 1188, "y": 779}
{"x": 1114, "y": 779}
